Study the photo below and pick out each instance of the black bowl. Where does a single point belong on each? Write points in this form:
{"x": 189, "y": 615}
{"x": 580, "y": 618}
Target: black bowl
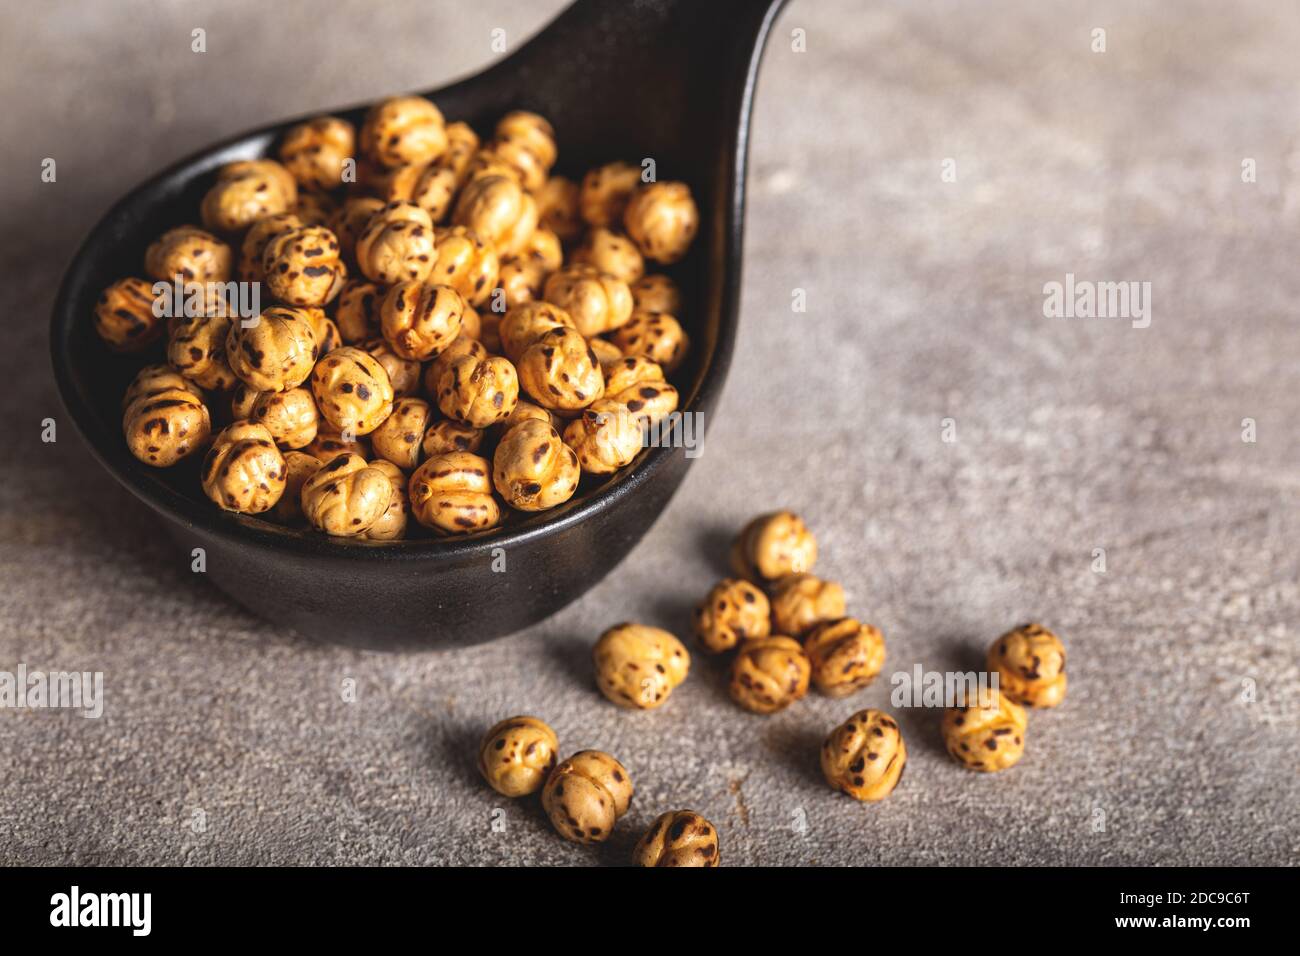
{"x": 666, "y": 80}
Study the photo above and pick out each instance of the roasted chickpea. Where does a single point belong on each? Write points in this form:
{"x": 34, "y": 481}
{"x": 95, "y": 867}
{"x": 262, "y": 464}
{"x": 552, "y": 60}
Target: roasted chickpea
{"x": 526, "y": 143}
{"x": 346, "y": 497}
{"x": 559, "y": 371}
{"x": 404, "y": 374}
{"x": 256, "y": 240}
{"x": 466, "y": 263}
{"x": 471, "y": 323}
{"x": 662, "y": 220}
{"x": 525, "y": 324}
{"x": 275, "y": 352}
{"x": 612, "y": 254}
{"x": 430, "y": 186}
{"x": 597, "y": 302}
{"x": 533, "y": 469}
{"x": 463, "y": 347}
{"x": 988, "y": 734}
{"x": 197, "y": 349}
{"x": 657, "y": 336}
{"x": 479, "y": 391}
{"x": 352, "y": 390}
{"x": 639, "y": 384}
{"x": 316, "y": 152}
{"x": 452, "y": 494}
{"x": 526, "y": 411}
{"x": 243, "y": 470}
{"x": 247, "y": 191}
{"x": 606, "y": 191}
{"x": 607, "y": 354}
{"x": 166, "y": 425}
{"x": 462, "y": 144}
{"x": 557, "y": 207}
{"x": 585, "y": 796}
{"x": 357, "y": 313}
{"x": 188, "y": 252}
{"x": 304, "y": 266}
{"x": 732, "y": 613}
{"x": 865, "y": 756}
{"x": 517, "y": 755}
{"x": 349, "y": 220}
{"x": 801, "y": 601}
{"x": 656, "y": 293}
{"x": 419, "y": 320}
{"x": 298, "y": 467}
{"x": 846, "y": 655}
{"x": 1030, "y": 664}
{"x": 606, "y": 437}
{"x": 773, "y": 546}
{"x": 124, "y": 316}
{"x": 638, "y": 666}
{"x": 448, "y": 435}
{"x": 497, "y": 208}
{"x": 396, "y": 244}
{"x": 678, "y": 838}
{"x": 398, "y": 439}
{"x": 403, "y": 130}
{"x": 156, "y": 379}
{"x": 769, "y": 674}
{"x": 289, "y": 416}
{"x": 391, "y": 525}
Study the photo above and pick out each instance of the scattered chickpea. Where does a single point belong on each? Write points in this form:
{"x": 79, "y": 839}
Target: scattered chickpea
{"x": 1030, "y": 664}
{"x": 517, "y": 755}
{"x": 585, "y": 796}
{"x": 678, "y": 838}
{"x": 638, "y": 666}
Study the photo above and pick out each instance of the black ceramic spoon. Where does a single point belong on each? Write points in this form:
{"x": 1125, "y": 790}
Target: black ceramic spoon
{"x": 671, "y": 80}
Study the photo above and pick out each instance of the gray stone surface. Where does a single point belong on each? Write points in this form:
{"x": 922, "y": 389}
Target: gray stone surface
{"x": 924, "y": 303}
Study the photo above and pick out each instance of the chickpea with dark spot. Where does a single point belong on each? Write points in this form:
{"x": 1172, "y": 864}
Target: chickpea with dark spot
{"x": 452, "y": 494}
{"x": 678, "y": 838}
{"x": 732, "y": 613}
{"x": 638, "y": 666}
{"x": 124, "y": 316}
{"x": 517, "y": 755}
{"x": 865, "y": 756}
{"x": 586, "y": 795}
{"x": 1030, "y": 663}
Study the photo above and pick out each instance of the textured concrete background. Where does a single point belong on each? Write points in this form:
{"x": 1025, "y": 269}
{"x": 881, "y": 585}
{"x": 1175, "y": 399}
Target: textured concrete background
{"x": 924, "y": 303}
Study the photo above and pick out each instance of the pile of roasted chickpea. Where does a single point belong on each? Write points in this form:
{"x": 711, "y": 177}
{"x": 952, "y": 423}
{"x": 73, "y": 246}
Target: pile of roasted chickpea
{"x": 785, "y": 629}
{"x": 451, "y": 327}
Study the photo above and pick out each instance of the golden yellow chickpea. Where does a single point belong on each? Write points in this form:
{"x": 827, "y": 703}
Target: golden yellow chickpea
{"x": 403, "y": 374}
{"x": 155, "y": 379}
{"x": 557, "y": 207}
{"x": 391, "y": 525}
{"x": 357, "y": 312}
{"x": 517, "y": 755}
{"x": 597, "y": 302}
{"x": 190, "y": 253}
{"x": 400, "y": 436}
{"x": 639, "y": 384}
{"x": 533, "y": 469}
{"x": 346, "y": 497}
{"x": 612, "y": 254}
{"x": 846, "y": 655}
{"x": 586, "y": 795}
{"x": 865, "y": 756}
{"x": 657, "y": 336}
{"x": 419, "y": 320}
{"x": 606, "y": 191}
{"x": 656, "y": 293}
{"x": 466, "y": 262}
{"x": 396, "y": 245}
{"x": 1030, "y": 663}
{"x": 352, "y": 390}
{"x": 801, "y": 601}
{"x": 987, "y": 735}
{"x": 498, "y": 209}
{"x": 606, "y": 437}
{"x": 402, "y": 131}
{"x": 526, "y": 143}
{"x": 289, "y": 416}
{"x": 447, "y": 435}
{"x": 732, "y": 613}
{"x": 326, "y": 330}
{"x": 272, "y": 352}
{"x": 304, "y": 266}
{"x": 298, "y": 467}
{"x": 525, "y": 324}
{"x": 247, "y": 191}
{"x": 662, "y": 220}
{"x": 773, "y": 546}
{"x": 243, "y": 470}
{"x": 316, "y": 152}
{"x": 769, "y": 674}
{"x": 197, "y": 349}
{"x": 328, "y": 445}
{"x": 166, "y": 425}
{"x": 124, "y": 316}
{"x": 257, "y": 238}
{"x": 560, "y": 372}
{"x": 349, "y": 221}
{"x": 638, "y": 666}
{"x": 452, "y": 494}
{"x": 678, "y": 838}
